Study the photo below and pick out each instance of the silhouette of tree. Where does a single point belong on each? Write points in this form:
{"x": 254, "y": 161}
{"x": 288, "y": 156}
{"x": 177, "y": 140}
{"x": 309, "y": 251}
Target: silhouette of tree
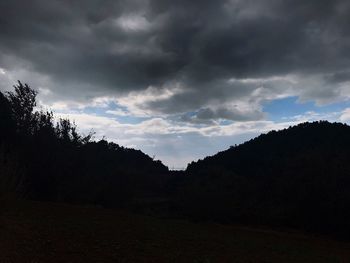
{"x": 23, "y": 101}
{"x": 6, "y": 121}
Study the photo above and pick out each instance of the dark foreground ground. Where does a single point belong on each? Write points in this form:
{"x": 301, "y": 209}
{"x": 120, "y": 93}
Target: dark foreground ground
{"x": 43, "y": 232}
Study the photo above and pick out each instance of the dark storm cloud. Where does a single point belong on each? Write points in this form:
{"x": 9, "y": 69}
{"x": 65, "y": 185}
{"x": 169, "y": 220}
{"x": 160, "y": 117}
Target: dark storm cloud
{"x": 208, "y": 116}
{"x": 82, "y": 42}
{"x": 109, "y": 47}
{"x": 222, "y": 113}
{"x": 338, "y": 77}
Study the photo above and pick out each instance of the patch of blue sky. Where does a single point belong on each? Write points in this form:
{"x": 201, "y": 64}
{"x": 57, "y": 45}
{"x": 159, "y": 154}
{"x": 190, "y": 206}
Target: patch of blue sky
{"x": 99, "y": 111}
{"x": 280, "y": 109}
{"x": 131, "y": 119}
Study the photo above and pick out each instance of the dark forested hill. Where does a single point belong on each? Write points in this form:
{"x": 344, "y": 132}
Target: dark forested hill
{"x": 298, "y": 176}
{"x": 43, "y": 159}
{"x": 327, "y": 140}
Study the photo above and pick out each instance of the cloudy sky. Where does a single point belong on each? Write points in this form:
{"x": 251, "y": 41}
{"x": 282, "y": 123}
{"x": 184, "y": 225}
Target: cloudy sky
{"x": 181, "y": 79}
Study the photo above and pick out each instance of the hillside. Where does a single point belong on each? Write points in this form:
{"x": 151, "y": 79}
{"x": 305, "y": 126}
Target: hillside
{"x": 298, "y": 176}
{"x": 48, "y": 232}
{"x": 307, "y": 140}
{"x": 44, "y": 158}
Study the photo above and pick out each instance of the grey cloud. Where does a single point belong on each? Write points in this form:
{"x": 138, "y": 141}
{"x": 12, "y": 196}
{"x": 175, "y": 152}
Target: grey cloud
{"x": 208, "y": 116}
{"x": 338, "y": 77}
{"x": 232, "y": 114}
{"x": 79, "y": 47}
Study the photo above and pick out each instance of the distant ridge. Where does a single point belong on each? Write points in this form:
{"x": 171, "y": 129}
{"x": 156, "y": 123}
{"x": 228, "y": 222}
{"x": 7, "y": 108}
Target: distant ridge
{"x": 301, "y": 137}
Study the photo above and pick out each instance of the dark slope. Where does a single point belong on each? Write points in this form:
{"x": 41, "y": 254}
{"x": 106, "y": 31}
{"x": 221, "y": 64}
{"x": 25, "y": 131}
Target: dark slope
{"x": 299, "y": 176}
{"x": 42, "y": 159}
{"x": 321, "y": 140}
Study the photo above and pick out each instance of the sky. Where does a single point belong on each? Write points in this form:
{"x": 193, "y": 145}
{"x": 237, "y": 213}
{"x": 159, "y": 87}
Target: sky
{"x": 180, "y": 80}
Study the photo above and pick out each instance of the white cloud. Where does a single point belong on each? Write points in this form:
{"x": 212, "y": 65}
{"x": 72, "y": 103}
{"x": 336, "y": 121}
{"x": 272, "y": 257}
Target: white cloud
{"x": 133, "y": 22}
{"x": 118, "y": 112}
{"x": 314, "y": 116}
{"x": 345, "y": 116}
{"x": 136, "y": 102}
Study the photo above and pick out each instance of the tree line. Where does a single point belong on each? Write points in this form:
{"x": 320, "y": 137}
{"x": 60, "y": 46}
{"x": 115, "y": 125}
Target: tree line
{"x": 44, "y": 159}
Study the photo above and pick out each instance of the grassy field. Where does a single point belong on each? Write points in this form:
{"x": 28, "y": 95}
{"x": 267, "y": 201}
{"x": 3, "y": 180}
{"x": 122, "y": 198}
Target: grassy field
{"x": 43, "y": 232}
